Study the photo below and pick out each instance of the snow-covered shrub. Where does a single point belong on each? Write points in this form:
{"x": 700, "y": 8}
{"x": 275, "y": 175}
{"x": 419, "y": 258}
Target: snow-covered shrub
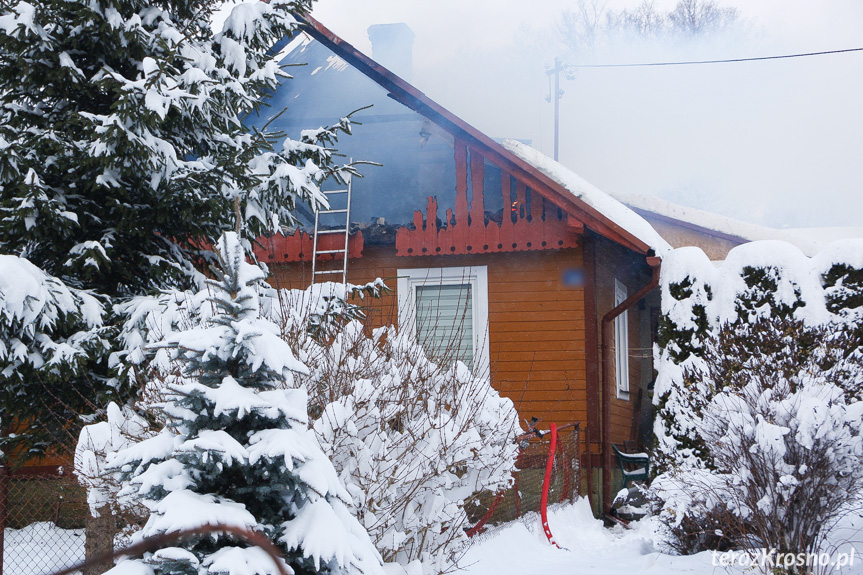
{"x": 766, "y": 342}
{"x": 840, "y": 266}
{"x": 236, "y": 449}
{"x": 414, "y": 442}
{"x": 757, "y": 280}
{"x": 686, "y": 296}
{"x": 786, "y": 449}
{"x": 121, "y": 428}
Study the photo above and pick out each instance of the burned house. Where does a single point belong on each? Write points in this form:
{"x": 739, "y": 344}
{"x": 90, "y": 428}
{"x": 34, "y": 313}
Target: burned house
{"x": 496, "y": 255}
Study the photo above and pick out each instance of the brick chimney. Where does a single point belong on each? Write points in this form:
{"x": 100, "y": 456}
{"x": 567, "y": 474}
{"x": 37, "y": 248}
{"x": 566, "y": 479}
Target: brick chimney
{"x": 392, "y": 47}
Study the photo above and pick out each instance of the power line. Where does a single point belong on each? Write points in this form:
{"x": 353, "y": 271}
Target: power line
{"x": 782, "y": 57}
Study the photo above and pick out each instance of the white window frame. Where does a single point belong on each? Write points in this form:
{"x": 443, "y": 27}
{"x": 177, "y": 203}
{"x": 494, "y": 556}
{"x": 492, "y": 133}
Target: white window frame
{"x": 476, "y": 276}
{"x": 621, "y": 342}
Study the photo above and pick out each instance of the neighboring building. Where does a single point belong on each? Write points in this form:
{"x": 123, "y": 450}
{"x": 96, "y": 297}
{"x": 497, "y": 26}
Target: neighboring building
{"x": 716, "y": 235}
{"x": 497, "y": 255}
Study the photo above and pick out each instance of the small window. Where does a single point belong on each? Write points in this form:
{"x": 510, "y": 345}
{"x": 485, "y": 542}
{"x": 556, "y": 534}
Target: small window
{"x": 446, "y": 311}
{"x": 621, "y": 343}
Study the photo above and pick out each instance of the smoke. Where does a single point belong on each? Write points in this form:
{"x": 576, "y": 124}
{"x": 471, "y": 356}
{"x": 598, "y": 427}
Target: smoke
{"x": 776, "y": 142}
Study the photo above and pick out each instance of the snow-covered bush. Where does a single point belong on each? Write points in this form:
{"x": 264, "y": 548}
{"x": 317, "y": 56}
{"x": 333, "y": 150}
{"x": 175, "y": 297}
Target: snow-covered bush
{"x": 757, "y": 280}
{"x": 760, "y": 376}
{"x": 786, "y": 443}
{"x": 686, "y": 297}
{"x": 414, "y": 442}
{"x": 118, "y": 517}
{"x": 236, "y": 449}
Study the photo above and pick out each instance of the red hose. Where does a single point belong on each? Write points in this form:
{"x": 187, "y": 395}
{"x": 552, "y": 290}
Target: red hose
{"x": 543, "y": 503}
{"x": 479, "y": 526}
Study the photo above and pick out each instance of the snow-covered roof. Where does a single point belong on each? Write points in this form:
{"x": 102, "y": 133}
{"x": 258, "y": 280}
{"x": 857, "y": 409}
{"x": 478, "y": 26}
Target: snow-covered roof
{"x": 602, "y": 202}
{"x": 809, "y": 240}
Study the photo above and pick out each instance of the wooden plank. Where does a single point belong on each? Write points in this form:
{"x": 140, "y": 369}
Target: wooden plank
{"x": 558, "y": 346}
{"x": 535, "y": 315}
{"x": 532, "y": 354}
{"x": 510, "y": 381}
{"x": 574, "y": 296}
{"x": 461, "y": 207}
{"x": 499, "y": 287}
{"x": 544, "y": 409}
{"x": 507, "y": 228}
{"x": 503, "y": 307}
{"x": 546, "y": 403}
{"x": 536, "y": 375}
{"x": 477, "y": 208}
{"x": 568, "y": 369}
{"x": 540, "y": 396}
{"x": 510, "y": 275}
{"x": 591, "y": 342}
{"x": 562, "y": 385}
{"x": 515, "y": 332}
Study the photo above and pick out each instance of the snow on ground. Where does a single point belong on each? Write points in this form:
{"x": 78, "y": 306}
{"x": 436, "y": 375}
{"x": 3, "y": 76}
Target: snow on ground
{"x": 521, "y": 548}
{"x": 41, "y": 548}
{"x": 518, "y": 548}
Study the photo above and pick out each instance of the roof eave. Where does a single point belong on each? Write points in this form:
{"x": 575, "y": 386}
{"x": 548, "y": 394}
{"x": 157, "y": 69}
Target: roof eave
{"x": 414, "y": 99}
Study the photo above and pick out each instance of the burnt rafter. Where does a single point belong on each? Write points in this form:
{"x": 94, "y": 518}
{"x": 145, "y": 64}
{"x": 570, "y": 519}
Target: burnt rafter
{"x": 527, "y": 222}
{"x": 297, "y": 247}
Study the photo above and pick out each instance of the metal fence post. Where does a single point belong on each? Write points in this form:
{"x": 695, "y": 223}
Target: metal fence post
{"x": 4, "y": 510}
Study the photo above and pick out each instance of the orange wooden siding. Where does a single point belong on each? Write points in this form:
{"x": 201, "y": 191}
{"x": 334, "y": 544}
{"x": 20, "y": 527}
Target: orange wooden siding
{"x": 536, "y": 324}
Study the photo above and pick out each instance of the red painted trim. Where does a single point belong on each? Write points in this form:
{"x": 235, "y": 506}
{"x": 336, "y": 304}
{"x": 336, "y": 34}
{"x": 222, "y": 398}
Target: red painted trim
{"x": 466, "y": 231}
{"x": 523, "y": 171}
{"x": 297, "y": 247}
{"x": 478, "y": 528}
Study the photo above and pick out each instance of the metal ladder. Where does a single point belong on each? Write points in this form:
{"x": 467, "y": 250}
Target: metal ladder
{"x": 319, "y": 232}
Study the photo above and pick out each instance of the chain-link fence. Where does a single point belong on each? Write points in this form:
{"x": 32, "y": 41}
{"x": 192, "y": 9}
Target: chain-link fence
{"x": 43, "y": 515}
{"x": 42, "y": 518}
{"x": 525, "y": 495}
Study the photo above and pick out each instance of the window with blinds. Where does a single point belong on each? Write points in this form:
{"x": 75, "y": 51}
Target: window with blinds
{"x": 445, "y": 310}
{"x": 444, "y": 321}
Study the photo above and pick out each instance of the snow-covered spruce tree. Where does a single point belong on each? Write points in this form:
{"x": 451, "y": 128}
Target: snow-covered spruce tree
{"x": 237, "y": 449}
{"x": 122, "y": 150}
{"x": 47, "y": 331}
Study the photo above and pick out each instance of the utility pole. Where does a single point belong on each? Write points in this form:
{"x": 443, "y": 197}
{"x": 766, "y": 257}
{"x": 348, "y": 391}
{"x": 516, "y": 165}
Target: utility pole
{"x": 556, "y": 95}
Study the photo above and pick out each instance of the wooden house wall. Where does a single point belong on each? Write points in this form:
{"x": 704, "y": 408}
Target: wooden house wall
{"x": 614, "y": 262}
{"x": 537, "y": 325}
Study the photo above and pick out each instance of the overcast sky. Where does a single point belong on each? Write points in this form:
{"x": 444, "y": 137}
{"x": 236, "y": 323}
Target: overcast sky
{"x": 777, "y": 143}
